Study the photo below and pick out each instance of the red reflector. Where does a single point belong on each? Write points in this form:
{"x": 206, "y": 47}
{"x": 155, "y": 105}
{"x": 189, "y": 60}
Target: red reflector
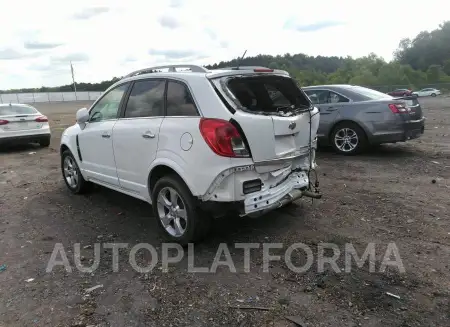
{"x": 223, "y": 138}
{"x": 3, "y": 121}
{"x": 41, "y": 119}
{"x": 398, "y": 108}
{"x": 263, "y": 70}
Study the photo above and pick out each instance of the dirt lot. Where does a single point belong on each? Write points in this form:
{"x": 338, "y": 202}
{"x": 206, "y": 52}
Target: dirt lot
{"x": 396, "y": 193}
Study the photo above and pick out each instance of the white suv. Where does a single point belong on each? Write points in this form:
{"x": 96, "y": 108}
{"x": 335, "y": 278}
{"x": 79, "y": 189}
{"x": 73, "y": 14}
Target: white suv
{"x": 197, "y": 144}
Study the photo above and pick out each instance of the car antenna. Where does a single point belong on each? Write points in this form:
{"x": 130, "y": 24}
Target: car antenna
{"x": 240, "y": 59}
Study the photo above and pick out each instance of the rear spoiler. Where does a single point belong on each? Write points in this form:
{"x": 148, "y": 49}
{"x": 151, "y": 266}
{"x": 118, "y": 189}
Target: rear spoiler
{"x": 406, "y": 97}
{"x": 413, "y": 98}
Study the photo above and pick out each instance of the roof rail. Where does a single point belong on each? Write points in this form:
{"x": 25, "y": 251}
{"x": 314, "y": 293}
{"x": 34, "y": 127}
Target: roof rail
{"x": 172, "y": 68}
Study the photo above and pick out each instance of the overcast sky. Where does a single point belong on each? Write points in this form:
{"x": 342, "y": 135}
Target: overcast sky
{"x": 111, "y": 38}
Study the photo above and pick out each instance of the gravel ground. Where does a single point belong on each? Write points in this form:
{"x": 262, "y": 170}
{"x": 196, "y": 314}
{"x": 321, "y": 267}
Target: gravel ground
{"x": 396, "y": 193}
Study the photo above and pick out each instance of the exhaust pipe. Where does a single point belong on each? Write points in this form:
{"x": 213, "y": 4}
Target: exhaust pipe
{"x": 312, "y": 194}
{"x": 290, "y": 197}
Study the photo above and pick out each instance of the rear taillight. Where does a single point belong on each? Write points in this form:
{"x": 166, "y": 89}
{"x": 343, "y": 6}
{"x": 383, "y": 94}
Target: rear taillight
{"x": 41, "y": 119}
{"x": 3, "y": 121}
{"x": 223, "y": 138}
{"x": 398, "y": 108}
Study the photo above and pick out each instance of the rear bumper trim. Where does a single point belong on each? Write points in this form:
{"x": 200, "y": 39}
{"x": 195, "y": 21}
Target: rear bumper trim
{"x": 411, "y": 130}
{"x": 24, "y": 138}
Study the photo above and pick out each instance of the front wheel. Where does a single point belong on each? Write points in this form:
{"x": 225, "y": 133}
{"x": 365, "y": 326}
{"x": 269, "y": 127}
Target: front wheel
{"x": 433, "y": 94}
{"x": 72, "y": 174}
{"x": 348, "y": 139}
{"x": 176, "y": 212}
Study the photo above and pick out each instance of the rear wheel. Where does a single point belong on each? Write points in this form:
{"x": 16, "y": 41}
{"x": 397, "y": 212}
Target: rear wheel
{"x": 348, "y": 138}
{"x": 433, "y": 94}
{"x": 176, "y": 212}
{"x": 71, "y": 174}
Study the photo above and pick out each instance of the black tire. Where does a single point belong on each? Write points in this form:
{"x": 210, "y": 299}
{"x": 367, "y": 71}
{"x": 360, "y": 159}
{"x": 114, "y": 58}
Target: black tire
{"x": 81, "y": 186}
{"x": 197, "y": 223}
{"x": 433, "y": 94}
{"x": 352, "y": 129}
{"x": 45, "y": 142}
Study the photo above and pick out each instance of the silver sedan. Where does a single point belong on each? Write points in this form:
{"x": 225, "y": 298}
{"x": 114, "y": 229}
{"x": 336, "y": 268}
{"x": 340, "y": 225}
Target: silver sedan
{"x": 353, "y": 117}
{"x": 22, "y": 123}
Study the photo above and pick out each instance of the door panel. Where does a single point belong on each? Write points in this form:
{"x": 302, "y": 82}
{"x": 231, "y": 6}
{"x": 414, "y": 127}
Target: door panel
{"x": 136, "y": 135}
{"x": 329, "y": 106}
{"x": 328, "y": 114}
{"x": 96, "y": 139}
{"x": 97, "y": 151}
{"x": 135, "y": 146}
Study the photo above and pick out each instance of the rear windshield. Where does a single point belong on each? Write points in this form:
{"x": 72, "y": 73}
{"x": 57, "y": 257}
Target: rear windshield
{"x": 268, "y": 94}
{"x": 16, "y": 110}
{"x": 369, "y": 93}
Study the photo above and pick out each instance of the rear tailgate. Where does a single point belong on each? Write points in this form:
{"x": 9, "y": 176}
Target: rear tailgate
{"x": 274, "y": 114}
{"x": 274, "y": 137}
{"x": 413, "y": 103}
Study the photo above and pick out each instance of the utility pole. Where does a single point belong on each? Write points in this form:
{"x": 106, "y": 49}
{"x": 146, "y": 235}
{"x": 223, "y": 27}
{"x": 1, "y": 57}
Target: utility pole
{"x": 73, "y": 80}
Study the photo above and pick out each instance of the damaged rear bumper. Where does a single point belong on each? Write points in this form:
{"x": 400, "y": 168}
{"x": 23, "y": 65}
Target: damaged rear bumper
{"x": 293, "y": 188}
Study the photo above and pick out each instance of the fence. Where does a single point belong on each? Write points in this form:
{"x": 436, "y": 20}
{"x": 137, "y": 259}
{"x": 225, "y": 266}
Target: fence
{"x": 48, "y": 97}
{"x": 443, "y": 87}
{"x": 92, "y": 96}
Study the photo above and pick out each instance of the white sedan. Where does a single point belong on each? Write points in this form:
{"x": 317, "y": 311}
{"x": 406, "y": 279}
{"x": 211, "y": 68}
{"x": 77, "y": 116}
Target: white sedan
{"x": 427, "y": 92}
{"x": 22, "y": 123}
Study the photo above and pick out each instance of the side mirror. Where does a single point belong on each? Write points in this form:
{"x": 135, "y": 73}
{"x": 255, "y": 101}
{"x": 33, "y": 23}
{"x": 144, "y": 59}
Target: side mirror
{"x": 82, "y": 117}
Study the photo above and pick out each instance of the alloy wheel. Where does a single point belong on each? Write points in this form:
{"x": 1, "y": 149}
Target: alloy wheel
{"x": 70, "y": 172}
{"x": 346, "y": 139}
{"x": 172, "y": 211}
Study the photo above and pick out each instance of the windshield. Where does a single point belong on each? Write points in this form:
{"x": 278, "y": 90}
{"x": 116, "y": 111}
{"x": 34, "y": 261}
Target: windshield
{"x": 268, "y": 93}
{"x": 369, "y": 93}
{"x": 16, "y": 110}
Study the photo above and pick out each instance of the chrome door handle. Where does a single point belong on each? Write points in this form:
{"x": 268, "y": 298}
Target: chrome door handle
{"x": 148, "y": 135}
{"x": 106, "y": 135}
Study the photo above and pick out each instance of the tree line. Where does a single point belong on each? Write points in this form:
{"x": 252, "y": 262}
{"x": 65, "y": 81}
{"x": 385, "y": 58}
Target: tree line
{"x": 419, "y": 62}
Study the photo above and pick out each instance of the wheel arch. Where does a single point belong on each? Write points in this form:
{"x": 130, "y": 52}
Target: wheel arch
{"x": 63, "y": 147}
{"x": 163, "y": 169}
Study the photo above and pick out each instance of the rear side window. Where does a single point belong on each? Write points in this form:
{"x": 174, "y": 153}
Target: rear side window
{"x": 179, "y": 100}
{"x": 267, "y": 93}
{"x": 369, "y": 94}
{"x": 336, "y": 98}
{"x": 16, "y": 110}
{"x": 146, "y": 99}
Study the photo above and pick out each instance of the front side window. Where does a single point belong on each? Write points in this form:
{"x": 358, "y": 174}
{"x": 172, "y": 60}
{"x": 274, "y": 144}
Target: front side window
{"x": 179, "y": 100}
{"x": 146, "y": 99}
{"x": 318, "y": 96}
{"x": 108, "y": 106}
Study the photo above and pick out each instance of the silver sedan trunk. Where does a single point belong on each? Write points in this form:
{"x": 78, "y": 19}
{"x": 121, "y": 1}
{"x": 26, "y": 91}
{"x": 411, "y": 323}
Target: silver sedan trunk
{"x": 352, "y": 117}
